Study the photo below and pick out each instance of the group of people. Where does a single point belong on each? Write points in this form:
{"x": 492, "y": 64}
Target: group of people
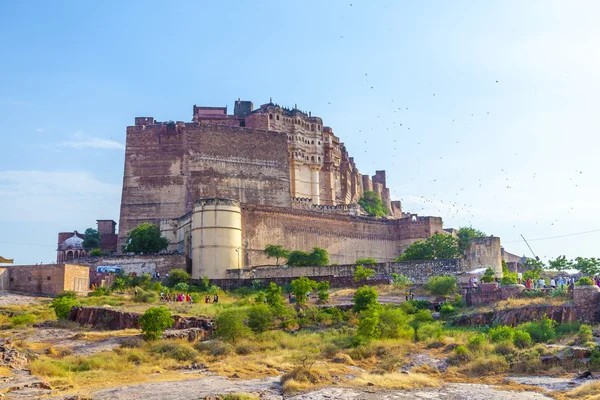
{"x": 409, "y": 295}
{"x": 215, "y": 299}
{"x": 553, "y": 283}
{"x": 183, "y": 298}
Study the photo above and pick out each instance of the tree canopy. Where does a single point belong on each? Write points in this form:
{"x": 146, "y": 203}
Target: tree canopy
{"x": 318, "y": 257}
{"x": 276, "y": 251}
{"x": 466, "y": 234}
{"x": 372, "y": 204}
{"x": 91, "y": 240}
{"x": 146, "y": 238}
{"x": 439, "y": 246}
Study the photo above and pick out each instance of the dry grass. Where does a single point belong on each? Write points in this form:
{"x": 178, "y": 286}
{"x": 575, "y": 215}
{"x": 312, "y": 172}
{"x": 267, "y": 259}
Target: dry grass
{"x": 95, "y": 336}
{"x": 587, "y": 391}
{"x": 5, "y": 371}
{"x": 520, "y": 302}
{"x": 396, "y": 380}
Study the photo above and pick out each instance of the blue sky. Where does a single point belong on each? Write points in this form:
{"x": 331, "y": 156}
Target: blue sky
{"x": 482, "y": 113}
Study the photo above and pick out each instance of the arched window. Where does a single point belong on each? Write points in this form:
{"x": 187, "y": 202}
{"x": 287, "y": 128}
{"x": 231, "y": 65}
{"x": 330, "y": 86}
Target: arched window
{"x": 312, "y": 142}
{"x": 319, "y": 142}
{"x": 270, "y": 116}
{"x": 319, "y": 159}
{"x": 312, "y": 159}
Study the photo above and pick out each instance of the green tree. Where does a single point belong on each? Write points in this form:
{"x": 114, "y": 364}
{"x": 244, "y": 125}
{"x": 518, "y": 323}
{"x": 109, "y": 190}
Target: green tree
{"x": 276, "y": 251}
{"x": 298, "y": 258}
{"x": 560, "y": 264}
{"x": 146, "y": 238}
{"x": 62, "y": 306}
{"x": 178, "y": 275}
{"x": 96, "y": 252}
{"x": 534, "y": 269}
{"x": 319, "y": 257}
{"x": 439, "y": 246}
{"x": 154, "y": 322}
{"x": 301, "y": 287}
{"x": 371, "y": 203}
{"x": 230, "y": 325}
{"x": 368, "y": 323}
{"x": 488, "y": 275}
{"x": 588, "y": 266}
{"x": 361, "y": 273}
{"x": 118, "y": 285}
{"x": 273, "y": 295}
{"x": 323, "y": 291}
{"x": 364, "y": 298}
{"x": 465, "y": 235}
{"x": 365, "y": 261}
{"x": 441, "y": 285}
{"x": 420, "y": 318}
{"x": 259, "y": 318}
{"x": 91, "y": 239}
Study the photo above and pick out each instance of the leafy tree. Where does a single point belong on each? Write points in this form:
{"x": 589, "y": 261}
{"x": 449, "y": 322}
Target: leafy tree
{"x": 588, "y": 266}
{"x": 118, "y": 285}
{"x": 323, "y": 291}
{"x": 365, "y": 261}
{"x": 488, "y": 275}
{"x": 91, "y": 239}
{"x": 420, "y": 318}
{"x": 466, "y": 234}
{"x": 364, "y": 298}
{"x": 439, "y": 246}
{"x": 372, "y": 204}
{"x": 534, "y": 269}
{"x": 276, "y": 251}
{"x": 319, "y": 257}
{"x": 273, "y": 295}
{"x": 442, "y": 285}
{"x": 585, "y": 281}
{"x": 181, "y": 287}
{"x": 62, "y": 306}
{"x": 361, "y": 273}
{"x": 154, "y": 322}
{"x": 560, "y": 264}
{"x": 368, "y": 325}
{"x": 298, "y": 258}
{"x": 230, "y": 325}
{"x": 178, "y": 276}
{"x": 301, "y": 287}
{"x": 259, "y": 318}
{"x": 146, "y": 238}
{"x": 96, "y": 253}
{"x": 391, "y": 321}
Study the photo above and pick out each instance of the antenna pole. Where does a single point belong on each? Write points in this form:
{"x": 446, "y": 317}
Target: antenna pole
{"x": 530, "y": 249}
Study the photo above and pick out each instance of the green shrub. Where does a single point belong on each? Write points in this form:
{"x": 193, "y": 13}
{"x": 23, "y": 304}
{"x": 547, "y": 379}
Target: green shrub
{"x": 230, "y": 325}
{"x": 178, "y": 276}
{"x": 22, "y": 319}
{"x": 541, "y": 332}
{"x": 522, "y": 339}
{"x": 181, "y": 287}
{"x": 461, "y": 350}
{"x": 67, "y": 293}
{"x": 430, "y": 331}
{"x": 585, "y": 281}
{"x": 99, "y": 291}
{"x": 533, "y": 293}
{"x": 367, "y": 325}
{"x": 595, "y": 359}
{"x": 323, "y": 291}
{"x": 442, "y": 285}
{"x": 96, "y": 253}
{"x": 501, "y": 333}
{"x": 457, "y": 301}
{"x": 510, "y": 278}
{"x": 197, "y": 298}
{"x": 175, "y": 351}
{"x": 447, "y": 310}
{"x": 559, "y": 292}
{"x": 362, "y": 274}
{"x": 504, "y": 348}
{"x": 393, "y": 323}
{"x": 400, "y": 281}
{"x": 301, "y": 287}
{"x": 567, "y": 327}
{"x": 364, "y": 298}
{"x": 154, "y": 321}
{"x": 585, "y": 334}
{"x": 62, "y": 306}
{"x": 145, "y": 297}
{"x": 365, "y": 261}
{"x": 259, "y": 318}
{"x": 488, "y": 276}
{"x": 475, "y": 342}
{"x": 412, "y": 306}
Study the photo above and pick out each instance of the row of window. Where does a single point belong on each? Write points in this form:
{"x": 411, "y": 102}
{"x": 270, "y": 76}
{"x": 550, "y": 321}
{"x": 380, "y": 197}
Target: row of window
{"x": 290, "y": 138}
{"x": 298, "y": 121}
{"x": 312, "y": 158}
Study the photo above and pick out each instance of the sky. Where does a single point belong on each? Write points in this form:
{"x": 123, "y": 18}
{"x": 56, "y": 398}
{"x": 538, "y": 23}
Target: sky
{"x": 483, "y": 113}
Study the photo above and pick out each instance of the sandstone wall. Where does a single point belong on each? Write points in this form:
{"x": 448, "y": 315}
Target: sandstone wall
{"x": 345, "y": 237}
{"x": 139, "y": 264}
{"x": 169, "y": 166}
{"x": 47, "y": 279}
{"x": 484, "y": 252}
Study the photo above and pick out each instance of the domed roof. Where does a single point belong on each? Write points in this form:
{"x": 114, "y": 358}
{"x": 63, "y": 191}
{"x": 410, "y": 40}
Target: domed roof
{"x": 72, "y": 243}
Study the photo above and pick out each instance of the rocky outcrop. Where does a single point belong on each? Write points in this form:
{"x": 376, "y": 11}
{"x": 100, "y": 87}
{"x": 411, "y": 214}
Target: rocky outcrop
{"x": 191, "y": 334}
{"x": 10, "y": 357}
{"x": 516, "y": 316}
{"x": 110, "y": 319}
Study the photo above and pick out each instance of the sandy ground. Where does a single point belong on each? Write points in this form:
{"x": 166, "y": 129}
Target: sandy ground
{"x": 10, "y": 299}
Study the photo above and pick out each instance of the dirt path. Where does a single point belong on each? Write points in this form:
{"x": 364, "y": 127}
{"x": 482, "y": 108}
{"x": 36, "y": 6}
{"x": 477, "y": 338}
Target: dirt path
{"x": 11, "y": 299}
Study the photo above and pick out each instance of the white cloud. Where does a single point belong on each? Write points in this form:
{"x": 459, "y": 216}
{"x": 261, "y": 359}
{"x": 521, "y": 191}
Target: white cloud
{"x": 82, "y": 140}
{"x": 56, "y": 197}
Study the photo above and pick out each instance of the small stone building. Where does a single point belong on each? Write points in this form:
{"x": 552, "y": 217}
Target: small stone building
{"x": 45, "y": 279}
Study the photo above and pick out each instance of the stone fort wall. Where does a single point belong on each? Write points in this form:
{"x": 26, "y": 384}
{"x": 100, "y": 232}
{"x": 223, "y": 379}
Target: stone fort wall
{"x": 168, "y": 166}
{"x": 345, "y": 237}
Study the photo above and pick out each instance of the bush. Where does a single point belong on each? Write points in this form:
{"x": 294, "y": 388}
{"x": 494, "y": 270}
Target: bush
{"x": 364, "y": 298}
{"x": 145, "y": 297}
{"x": 400, "y": 281}
{"x": 521, "y": 339}
{"x": 595, "y": 359}
{"x": 502, "y": 334}
{"x": 509, "y": 278}
{"x": 181, "y": 287}
{"x": 230, "y": 325}
{"x": 175, "y": 351}
{"x": 62, "y": 306}
{"x": 215, "y": 348}
{"x": 323, "y": 291}
{"x": 367, "y": 325}
{"x": 96, "y": 253}
{"x": 429, "y": 331}
{"x": 22, "y": 319}
{"x": 154, "y": 321}
{"x": 362, "y": 274}
{"x": 585, "y": 281}
{"x": 475, "y": 342}
{"x": 365, "y": 261}
{"x": 488, "y": 275}
{"x": 393, "y": 323}
{"x": 567, "y": 328}
{"x": 541, "y": 332}
{"x": 301, "y": 287}
{"x": 178, "y": 276}
{"x": 259, "y": 318}
{"x": 441, "y": 285}
{"x": 447, "y": 310}
{"x": 585, "y": 334}
{"x": 99, "y": 291}
{"x": 67, "y": 293}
